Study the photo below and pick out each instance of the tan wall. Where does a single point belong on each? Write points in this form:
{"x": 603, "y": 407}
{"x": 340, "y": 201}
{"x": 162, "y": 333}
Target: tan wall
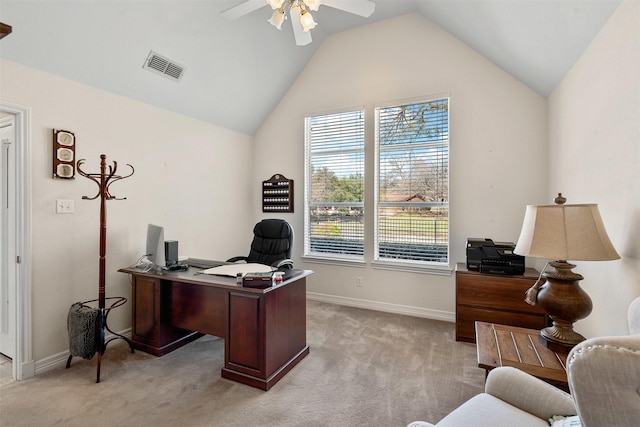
{"x": 594, "y": 135}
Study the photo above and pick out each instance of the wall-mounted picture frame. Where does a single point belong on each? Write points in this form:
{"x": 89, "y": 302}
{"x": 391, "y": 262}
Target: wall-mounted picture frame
{"x": 64, "y": 154}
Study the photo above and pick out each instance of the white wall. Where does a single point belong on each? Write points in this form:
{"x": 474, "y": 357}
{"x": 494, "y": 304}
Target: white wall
{"x": 594, "y": 134}
{"x": 498, "y": 147}
{"x": 186, "y": 179}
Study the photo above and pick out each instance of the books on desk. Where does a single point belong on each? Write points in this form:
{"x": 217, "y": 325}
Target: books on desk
{"x": 261, "y": 280}
{"x": 232, "y": 270}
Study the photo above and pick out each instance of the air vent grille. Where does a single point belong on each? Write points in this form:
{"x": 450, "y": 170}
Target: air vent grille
{"x": 174, "y": 71}
{"x": 163, "y": 66}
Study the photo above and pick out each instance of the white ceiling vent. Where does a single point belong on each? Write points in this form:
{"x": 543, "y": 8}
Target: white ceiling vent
{"x": 164, "y": 66}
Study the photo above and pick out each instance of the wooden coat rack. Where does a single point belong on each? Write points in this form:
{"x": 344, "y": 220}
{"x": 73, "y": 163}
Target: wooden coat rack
{"x": 104, "y": 180}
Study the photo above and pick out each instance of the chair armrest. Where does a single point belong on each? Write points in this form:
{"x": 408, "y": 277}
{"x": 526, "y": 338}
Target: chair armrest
{"x": 529, "y": 393}
{"x": 283, "y": 263}
{"x": 238, "y": 258}
{"x": 604, "y": 376}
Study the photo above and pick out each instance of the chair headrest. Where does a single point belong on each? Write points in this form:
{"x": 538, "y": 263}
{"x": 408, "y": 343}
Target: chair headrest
{"x": 272, "y": 229}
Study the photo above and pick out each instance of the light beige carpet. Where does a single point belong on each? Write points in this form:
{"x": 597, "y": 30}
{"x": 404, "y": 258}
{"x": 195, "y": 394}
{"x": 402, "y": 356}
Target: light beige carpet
{"x": 365, "y": 368}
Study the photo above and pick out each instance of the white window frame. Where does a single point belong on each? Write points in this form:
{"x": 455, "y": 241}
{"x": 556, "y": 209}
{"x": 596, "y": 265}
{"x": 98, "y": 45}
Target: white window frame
{"x": 324, "y": 257}
{"x": 407, "y": 264}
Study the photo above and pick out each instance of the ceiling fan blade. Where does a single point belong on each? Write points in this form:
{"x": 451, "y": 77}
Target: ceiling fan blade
{"x": 357, "y": 7}
{"x": 242, "y": 9}
{"x": 302, "y": 38}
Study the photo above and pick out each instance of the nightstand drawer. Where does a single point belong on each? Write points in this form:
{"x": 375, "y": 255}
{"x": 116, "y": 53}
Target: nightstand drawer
{"x": 467, "y": 316}
{"x": 497, "y": 292}
{"x": 494, "y": 298}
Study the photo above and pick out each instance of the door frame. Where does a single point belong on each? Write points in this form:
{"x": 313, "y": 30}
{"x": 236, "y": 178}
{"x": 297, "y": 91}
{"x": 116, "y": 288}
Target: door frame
{"x": 7, "y": 252}
{"x": 23, "y": 365}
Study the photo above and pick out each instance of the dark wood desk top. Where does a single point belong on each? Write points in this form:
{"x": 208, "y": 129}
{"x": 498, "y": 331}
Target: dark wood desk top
{"x": 196, "y": 277}
{"x": 502, "y": 345}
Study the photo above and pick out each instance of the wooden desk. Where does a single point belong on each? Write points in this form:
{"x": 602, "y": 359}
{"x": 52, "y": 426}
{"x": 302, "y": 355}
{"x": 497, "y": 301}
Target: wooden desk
{"x": 265, "y": 330}
{"x": 502, "y": 345}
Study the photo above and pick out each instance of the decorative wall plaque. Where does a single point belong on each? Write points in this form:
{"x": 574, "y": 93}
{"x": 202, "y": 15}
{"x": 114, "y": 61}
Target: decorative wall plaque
{"x": 64, "y": 154}
{"x": 277, "y": 194}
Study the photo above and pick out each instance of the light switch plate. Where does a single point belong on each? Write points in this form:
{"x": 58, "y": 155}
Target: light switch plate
{"x": 64, "y": 206}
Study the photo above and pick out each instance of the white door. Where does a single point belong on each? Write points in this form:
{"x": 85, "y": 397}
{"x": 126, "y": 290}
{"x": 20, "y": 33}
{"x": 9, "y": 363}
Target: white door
{"x": 8, "y": 236}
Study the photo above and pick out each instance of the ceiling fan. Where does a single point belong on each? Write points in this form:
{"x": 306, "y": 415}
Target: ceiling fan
{"x": 299, "y": 11}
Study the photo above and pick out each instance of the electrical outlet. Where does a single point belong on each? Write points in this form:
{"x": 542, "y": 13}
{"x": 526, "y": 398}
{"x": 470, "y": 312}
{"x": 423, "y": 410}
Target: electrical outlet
{"x": 64, "y": 206}
{"x": 359, "y": 281}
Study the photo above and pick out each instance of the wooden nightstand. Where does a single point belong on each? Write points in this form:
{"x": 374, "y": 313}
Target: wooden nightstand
{"x": 494, "y": 298}
{"x": 501, "y": 345}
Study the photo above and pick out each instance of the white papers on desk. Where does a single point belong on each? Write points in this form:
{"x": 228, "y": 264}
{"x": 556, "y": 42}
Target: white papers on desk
{"x": 233, "y": 269}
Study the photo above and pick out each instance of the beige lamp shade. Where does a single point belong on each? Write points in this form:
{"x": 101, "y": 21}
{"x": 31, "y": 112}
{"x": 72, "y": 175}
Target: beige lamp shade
{"x": 565, "y": 232}
{"x": 275, "y": 4}
{"x": 307, "y": 21}
{"x": 277, "y": 18}
{"x": 313, "y": 4}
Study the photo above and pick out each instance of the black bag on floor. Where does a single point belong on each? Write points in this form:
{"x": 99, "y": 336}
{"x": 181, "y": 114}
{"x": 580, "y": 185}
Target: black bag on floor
{"x": 83, "y": 325}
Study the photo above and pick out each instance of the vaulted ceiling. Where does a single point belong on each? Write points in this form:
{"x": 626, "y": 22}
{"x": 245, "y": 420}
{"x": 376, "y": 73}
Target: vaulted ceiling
{"x": 237, "y": 71}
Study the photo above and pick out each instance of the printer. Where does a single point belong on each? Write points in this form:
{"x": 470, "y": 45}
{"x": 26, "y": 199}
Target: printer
{"x": 487, "y": 256}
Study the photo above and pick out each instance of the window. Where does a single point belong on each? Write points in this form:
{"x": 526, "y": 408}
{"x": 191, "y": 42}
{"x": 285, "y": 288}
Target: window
{"x": 411, "y": 197}
{"x": 334, "y": 185}
{"x": 412, "y": 188}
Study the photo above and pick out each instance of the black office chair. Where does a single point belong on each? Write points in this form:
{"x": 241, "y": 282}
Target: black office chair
{"x": 272, "y": 244}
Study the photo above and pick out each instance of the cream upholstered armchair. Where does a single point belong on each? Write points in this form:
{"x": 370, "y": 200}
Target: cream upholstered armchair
{"x": 604, "y": 379}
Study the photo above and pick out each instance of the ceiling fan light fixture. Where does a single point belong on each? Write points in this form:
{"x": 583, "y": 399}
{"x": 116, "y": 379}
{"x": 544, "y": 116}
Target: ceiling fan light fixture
{"x": 275, "y": 4}
{"x": 307, "y": 21}
{"x": 278, "y": 18}
{"x": 313, "y": 4}
{"x": 302, "y": 22}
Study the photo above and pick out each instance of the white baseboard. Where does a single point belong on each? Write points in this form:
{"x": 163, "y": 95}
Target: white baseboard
{"x": 51, "y": 362}
{"x": 27, "y": 370}
{"x": 445, "y": 316}
{"x": 60, "y": 360}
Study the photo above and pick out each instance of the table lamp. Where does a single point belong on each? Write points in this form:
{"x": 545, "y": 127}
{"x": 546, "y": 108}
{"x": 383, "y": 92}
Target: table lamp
{"x": 563, "y": 232}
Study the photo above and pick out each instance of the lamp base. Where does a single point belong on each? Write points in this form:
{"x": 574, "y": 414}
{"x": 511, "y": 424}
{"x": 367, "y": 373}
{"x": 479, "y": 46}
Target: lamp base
{"x": 561, "y": 334}
{"x": 555, "y": 346}
{"x": 565, "y": 302}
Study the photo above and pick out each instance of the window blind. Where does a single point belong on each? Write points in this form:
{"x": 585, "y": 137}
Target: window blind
{"x": 412, "y": 197}
{"x": 334, "y": 193}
